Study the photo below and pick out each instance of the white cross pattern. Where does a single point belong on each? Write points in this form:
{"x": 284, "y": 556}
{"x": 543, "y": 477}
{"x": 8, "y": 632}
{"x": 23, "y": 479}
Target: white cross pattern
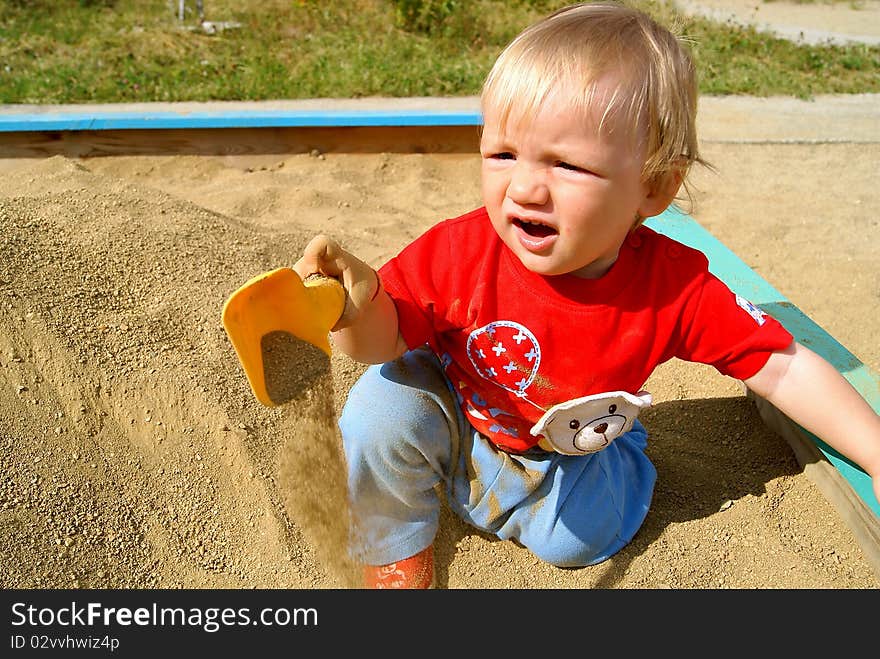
{"x": 506, "y": 353}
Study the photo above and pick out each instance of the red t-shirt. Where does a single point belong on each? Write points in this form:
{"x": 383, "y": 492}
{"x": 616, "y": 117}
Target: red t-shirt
{"x": 514, "y": 343}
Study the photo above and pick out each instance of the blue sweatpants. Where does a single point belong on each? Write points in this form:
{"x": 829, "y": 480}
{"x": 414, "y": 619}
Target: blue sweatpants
{"x": 404, "y": 434}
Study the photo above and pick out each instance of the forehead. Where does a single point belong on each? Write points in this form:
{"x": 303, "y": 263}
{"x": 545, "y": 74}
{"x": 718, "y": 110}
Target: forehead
{"x": 608, "y": 99}
{"x": 561, "y": 117}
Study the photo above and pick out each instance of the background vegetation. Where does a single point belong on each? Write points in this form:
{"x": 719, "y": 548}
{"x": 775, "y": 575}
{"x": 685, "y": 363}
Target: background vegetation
{"x": 85, "y": 51}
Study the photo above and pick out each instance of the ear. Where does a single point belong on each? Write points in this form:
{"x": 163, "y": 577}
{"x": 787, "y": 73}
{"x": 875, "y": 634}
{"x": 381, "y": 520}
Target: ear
{"x": 661, "y": 192}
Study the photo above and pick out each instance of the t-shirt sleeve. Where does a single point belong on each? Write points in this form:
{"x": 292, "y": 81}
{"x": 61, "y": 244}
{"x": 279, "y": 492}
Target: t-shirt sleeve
{"x": 414, "y": 282}
{"x": 724, "y": 329}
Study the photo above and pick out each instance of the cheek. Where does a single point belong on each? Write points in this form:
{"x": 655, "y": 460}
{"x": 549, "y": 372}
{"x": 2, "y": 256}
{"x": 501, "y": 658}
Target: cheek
{"x": 492, "y": 185}
{"x": 576, "y": 204}
{"x": 601, "y": 198}
{"x": 493, "y": 204}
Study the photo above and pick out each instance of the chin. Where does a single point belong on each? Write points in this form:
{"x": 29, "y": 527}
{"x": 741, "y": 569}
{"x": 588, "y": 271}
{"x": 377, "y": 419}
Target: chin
{"x": 539, "y": 265}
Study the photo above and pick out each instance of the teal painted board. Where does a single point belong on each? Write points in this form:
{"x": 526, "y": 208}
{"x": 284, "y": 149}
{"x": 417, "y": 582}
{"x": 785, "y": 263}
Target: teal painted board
{"x": 728, "y": 267}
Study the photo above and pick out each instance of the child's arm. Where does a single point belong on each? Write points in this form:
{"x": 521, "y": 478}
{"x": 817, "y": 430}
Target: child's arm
{"x": 811, "y": 392}
{"x": 367, "y": 331}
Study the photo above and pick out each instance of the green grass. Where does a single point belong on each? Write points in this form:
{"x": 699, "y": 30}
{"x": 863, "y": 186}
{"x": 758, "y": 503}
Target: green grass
{"x": 99, "y": 51}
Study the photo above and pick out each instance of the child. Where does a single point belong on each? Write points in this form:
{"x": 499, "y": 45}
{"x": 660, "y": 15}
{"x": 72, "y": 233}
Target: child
{"x": 509, "y": 345}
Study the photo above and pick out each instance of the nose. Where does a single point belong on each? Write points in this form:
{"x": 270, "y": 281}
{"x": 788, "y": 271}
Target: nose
{"x": 528, "y": 185}
{"x": 602, "y": 427}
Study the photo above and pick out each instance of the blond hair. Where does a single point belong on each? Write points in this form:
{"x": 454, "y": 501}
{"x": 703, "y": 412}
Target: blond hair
{"x": 572, "y": 49}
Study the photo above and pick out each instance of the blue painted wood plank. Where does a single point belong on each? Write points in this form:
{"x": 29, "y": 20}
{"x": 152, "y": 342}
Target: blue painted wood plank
{"x": 728, "y": 267}
{"x": 256, "y": 118}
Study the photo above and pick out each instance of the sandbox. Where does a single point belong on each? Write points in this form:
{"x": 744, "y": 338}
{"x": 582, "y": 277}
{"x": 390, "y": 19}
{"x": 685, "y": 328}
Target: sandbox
{"x": 124, "y": 387}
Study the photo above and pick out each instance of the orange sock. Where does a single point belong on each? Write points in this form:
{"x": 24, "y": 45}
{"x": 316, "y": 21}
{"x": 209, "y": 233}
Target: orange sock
{"x": 416, "y": 572}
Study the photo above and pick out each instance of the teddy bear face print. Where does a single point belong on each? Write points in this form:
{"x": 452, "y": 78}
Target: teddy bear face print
{"x": 589, "y": 424}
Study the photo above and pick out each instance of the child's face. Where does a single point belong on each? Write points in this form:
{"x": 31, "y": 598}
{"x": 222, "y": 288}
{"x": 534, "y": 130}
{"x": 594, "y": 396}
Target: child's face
{"x": 560, "y": 194}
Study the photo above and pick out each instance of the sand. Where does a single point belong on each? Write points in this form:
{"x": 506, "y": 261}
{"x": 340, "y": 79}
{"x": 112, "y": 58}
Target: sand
{"x": 134, "y": 455}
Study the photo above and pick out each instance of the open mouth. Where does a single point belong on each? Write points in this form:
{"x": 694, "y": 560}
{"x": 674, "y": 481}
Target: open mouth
{"x": 535, "y": 229}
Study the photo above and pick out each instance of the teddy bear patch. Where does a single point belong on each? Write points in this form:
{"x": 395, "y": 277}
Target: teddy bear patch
{"x": 589, "y": 424}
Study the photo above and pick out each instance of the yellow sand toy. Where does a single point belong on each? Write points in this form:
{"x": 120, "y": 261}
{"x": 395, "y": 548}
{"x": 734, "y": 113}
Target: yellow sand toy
{"x": 269, "y": 312}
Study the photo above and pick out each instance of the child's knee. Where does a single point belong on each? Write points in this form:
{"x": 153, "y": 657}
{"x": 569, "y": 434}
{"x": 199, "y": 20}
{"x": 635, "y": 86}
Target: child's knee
{"x": 572, "y": 555}
{"x": 368, "y": 387}
{"x": 576, "y": 544}
{"x": 377, "y": 401}
{"x": 389, "y": 412}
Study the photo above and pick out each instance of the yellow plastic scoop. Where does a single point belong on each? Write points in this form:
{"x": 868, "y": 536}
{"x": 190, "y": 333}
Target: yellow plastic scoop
{"x": 279, "y": 327}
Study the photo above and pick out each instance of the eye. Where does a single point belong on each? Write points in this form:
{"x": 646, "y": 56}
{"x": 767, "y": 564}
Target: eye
{"x": 612, "y": 409}
{"x": 504, "y": 155}
{"x": 574, "y": 424}
{"x": 568, "y": 166}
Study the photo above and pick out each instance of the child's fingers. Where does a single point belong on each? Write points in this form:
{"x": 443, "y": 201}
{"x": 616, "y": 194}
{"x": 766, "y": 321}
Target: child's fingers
{"x": 323, "y": 255}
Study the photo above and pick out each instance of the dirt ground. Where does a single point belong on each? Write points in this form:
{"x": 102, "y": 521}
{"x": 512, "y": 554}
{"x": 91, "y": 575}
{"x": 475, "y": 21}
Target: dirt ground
{"x": 134, "y": 455}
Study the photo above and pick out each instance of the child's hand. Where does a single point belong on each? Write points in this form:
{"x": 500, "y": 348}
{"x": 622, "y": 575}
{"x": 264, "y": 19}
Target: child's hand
{"x": 361, "y": 282}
